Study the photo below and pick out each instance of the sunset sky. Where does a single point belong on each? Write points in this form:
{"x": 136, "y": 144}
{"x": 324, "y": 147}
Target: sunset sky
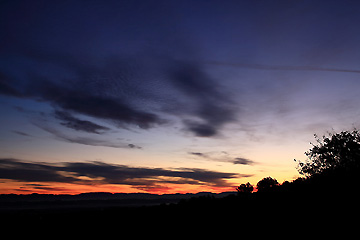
{"x": 170, "y": 96}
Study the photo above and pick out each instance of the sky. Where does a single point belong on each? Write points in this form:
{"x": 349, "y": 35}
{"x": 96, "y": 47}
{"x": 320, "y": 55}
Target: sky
{"x": 170, "y": 96}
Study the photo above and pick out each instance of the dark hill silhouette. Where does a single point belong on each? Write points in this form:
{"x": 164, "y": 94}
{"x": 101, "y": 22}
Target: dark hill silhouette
{"x": 18, "y": 202}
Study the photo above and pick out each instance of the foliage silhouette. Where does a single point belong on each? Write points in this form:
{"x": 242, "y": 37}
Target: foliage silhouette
{"x": 267, "y": 184}
{"x": 340, "y": 152}
{"x": 245, "y": 188}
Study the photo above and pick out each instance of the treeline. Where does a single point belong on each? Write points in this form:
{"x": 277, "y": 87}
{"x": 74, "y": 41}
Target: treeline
{"x": 330, "y": 183}
{"x": 333, "y": 165}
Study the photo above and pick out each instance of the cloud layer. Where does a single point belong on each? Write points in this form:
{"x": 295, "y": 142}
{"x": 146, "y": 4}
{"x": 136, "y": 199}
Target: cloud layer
{"x": 212, "y": 108}
{"x": 104, "y": 173}
{"x": 109, "y": 91}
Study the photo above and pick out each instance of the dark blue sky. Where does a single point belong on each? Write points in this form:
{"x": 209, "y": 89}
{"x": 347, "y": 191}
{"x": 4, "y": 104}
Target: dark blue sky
{"x": 217, "y": 87}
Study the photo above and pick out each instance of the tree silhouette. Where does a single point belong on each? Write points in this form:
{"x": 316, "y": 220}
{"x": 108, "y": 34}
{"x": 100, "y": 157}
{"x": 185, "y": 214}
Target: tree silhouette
{"x": 339, "y": 152}
{"x": 245, "y": 188}
{"x": 267, "y": 184}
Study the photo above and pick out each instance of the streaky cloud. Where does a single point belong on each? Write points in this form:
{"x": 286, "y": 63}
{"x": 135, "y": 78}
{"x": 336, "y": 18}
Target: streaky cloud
{"x": 15, "y": 169}
{"x": 281, "y": 67}
{"x": 222, "y": 157}
{"x": 243, "y": 161}
{"x": 78, "y": 99}
{"x": 108, "y": 173}
{"x": 72, "y": 122}
{"x": 22, "y": 133}
{"x": 86, "y": 140}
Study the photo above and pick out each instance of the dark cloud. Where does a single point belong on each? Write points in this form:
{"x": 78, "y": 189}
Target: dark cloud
{"x": 100, "y": 172}
{"x": 32, "y": 172}
{"x": 114, "y": 91}
{"x": 79, "y": 99}
{"x": 86, "y": 140}
{"x": 46, "y": 188}
{"x": 21, "y": 133}
{"x": 211, "y": 105}
{"x": 243, "y": 161}
{"x": 80, "y": 125}
{"x": 201, "y": 129}
{"x": 121, "y": 174}
{"x": 99, "y": 106}
{"x": 130, "y": 145}
{"x": 121, "y": 86}
{"x": 199, "y": 154}
{"x": 222, "y": 157}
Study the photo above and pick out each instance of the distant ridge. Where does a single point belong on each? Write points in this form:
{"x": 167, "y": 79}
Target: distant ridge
{"x": 10, "y": 202}
{"x": 105, "y": 196}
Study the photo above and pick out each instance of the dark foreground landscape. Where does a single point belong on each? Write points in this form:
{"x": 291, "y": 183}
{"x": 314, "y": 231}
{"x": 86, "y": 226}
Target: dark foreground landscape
{"x": 302, "y": 199}
{"x": 327, "y": 195}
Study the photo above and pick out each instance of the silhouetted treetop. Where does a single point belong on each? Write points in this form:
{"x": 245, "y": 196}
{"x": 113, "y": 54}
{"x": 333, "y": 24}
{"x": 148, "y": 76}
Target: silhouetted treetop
{"x": 245, "y": 188}
{"x": 267, "y": 184}
{"x": 337, "y": 152}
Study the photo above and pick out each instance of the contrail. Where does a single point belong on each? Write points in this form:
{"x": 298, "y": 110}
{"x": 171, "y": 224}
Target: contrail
{"x": 281, "y": 67}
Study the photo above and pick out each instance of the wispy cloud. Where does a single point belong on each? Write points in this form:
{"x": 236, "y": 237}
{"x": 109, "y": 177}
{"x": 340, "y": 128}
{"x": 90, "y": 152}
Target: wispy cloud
{"x": 243, "y": 161}
{"x": 211, "y": 107}
{"x": 121, "y": 98}
{"x": 82, "y": 100}
{"x": 22, "y": 133}
{"x": 281, "y": 67}
{"x": 86, "y": 140}
{"x": 222, "y": 157}
{"x": 72, "y": 122}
